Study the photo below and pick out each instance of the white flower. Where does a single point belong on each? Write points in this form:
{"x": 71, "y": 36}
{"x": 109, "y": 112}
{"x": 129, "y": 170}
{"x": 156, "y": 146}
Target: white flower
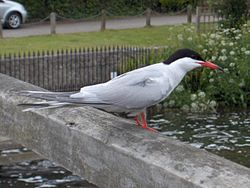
{"x": 211, "y": 80}
{"x": 232, "y": 53}
{"x": 218, "y": 36}
{"x": 223, "y": 43}
{"x": 202, "y": 94}
{"x": 190, "y": 30}
{"x": 242, "y": 83}
{"x": 204, "y": 35}
{"x": 243, "y": 49}
{"x": 200, "y": 46}
{"x": 226, "y": 70}
{"x": 180, "y": 37}
{"x": 189, "y": 38}
{"x": 214, "y": 58}
{"x": 185, "y": 108}
{"x": 232, "y": 64}
{"x": 212, "y": 35}
{"x": 193, "y": 97}
{"x": 204, "y": 51}
{"x": 203, "y": 106}
{"x": 247, "y": 52}
{"x": 171, "y": 103}
{"x": 223, "y": 58}
{"x": 231, "y": 81}
{"x": 211, "y": 42}
{"x": 212, "y": 104}
{"x": 223, "y": 51}
{"x": 237, "y": 37}
{"x": 194, "y": 106}
{"x": 180, "y": 88}
{"x": 231, "y": 44}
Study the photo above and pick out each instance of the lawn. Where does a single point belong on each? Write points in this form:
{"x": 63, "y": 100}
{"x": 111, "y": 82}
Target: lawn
{"x": 153, "y": 36}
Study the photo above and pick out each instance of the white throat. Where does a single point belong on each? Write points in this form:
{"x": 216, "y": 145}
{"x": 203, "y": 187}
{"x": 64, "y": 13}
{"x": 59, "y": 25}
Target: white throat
{"x": 180, "y": 67}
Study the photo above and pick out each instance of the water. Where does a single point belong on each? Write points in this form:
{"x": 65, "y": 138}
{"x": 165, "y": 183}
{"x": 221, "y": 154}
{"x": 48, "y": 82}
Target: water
{"x": 226, "y": 134}
{"x": 37, "y": 173}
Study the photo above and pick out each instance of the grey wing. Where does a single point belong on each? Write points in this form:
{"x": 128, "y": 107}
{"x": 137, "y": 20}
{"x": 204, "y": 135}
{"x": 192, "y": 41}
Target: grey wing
{"x": 133, "y": 91}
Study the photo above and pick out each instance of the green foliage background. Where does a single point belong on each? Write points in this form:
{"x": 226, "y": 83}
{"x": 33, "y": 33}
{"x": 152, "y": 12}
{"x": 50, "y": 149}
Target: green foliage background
{"x": 234, "y": 12}
{"x": 86, "y": 8}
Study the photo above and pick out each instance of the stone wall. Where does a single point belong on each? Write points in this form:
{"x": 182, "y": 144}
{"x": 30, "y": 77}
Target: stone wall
{"x": 109, "y": 151}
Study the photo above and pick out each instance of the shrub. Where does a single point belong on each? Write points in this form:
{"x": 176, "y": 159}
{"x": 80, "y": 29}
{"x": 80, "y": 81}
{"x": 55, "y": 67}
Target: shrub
{"x": 205, "y": 89}
{"x": 234, "y": 13}
{"x": 81, "y": 8}
{"x": 173, "y": 5}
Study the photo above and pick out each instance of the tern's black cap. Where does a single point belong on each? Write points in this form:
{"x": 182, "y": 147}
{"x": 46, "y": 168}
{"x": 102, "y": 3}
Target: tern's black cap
{"x": 181, "y": 53}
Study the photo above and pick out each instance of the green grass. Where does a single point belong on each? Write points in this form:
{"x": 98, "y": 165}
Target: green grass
{"x": 153, "y": 36}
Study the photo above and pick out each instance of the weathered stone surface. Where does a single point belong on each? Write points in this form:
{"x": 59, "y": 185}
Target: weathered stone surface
{"x": 109, "y": 151}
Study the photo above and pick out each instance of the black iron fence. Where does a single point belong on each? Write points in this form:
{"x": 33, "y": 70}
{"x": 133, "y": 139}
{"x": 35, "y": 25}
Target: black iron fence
{"x": 69, "y": 70}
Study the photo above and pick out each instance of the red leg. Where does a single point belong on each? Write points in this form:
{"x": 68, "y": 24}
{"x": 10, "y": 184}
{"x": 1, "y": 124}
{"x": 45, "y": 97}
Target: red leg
{"x": 138, "y": 123}
{"x": 145, "y": 124}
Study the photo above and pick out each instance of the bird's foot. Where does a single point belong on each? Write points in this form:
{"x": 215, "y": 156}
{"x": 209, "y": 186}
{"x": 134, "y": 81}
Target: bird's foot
{"x": 145, "y": 126}
{"x": 143, "y": 123}
{"x": 138, "y": 123}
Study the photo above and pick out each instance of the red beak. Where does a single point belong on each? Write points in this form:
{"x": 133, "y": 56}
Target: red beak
{"x": 210, "y": 65}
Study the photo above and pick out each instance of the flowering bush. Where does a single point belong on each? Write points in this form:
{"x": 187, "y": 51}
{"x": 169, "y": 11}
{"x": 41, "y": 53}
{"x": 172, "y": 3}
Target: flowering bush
{"x": 205, "y": 89}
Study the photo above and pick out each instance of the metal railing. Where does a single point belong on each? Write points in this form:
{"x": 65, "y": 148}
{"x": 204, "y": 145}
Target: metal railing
{"x": 69, "y": 70}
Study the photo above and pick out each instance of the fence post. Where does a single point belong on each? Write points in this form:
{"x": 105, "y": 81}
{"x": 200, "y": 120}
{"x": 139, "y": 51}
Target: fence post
{"x": 103, "y": 20}
{"x": 198, "y": 19}
{"x": 148, "y": 17}
{"x": 189, "y": 14}
{"x": 1, "y": 30}
{"x": 52, "y": 23}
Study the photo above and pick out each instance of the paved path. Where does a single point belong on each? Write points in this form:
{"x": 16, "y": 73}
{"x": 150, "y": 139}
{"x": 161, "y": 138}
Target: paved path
{"x": 88, "y": 26}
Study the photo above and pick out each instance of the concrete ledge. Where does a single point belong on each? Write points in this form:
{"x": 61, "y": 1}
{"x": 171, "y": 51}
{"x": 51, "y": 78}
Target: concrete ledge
{"x": 109, "y": 151}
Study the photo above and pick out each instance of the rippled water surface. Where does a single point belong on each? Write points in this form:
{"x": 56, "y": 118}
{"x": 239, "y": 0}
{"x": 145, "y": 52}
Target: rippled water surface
{"x": 37, "y": 174}
{"x": 226, "y": 134}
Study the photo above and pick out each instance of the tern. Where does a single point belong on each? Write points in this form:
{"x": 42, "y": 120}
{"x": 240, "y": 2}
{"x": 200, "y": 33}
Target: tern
{"x": 132, "y": 92}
